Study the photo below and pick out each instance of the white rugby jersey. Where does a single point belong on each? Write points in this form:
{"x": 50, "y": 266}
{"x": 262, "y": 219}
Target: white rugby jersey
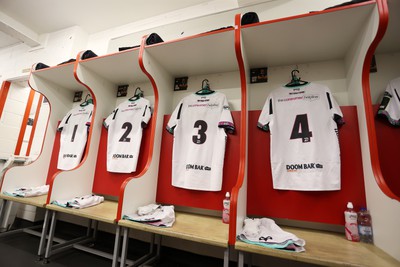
{"x": 305, "y": 152}
{"x": 125, "y": 126}
{"x": 390, "y": 105}
{"x": 74, "y": 129}
{"x": 198, "y": 124}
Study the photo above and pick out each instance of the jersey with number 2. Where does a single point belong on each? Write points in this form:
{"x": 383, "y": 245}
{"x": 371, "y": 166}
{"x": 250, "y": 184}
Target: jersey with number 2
{"x": 124, "y": 126}
{"x": 198, "y": 124}
{"x": 305, "y": 152}
{"x": 74, "y": 132}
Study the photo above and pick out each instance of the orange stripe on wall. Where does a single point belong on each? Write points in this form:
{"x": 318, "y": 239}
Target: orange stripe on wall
{"x": 35, "y": 120}
{"x": 24, "y": 123}
{"x": 5, "y": 86}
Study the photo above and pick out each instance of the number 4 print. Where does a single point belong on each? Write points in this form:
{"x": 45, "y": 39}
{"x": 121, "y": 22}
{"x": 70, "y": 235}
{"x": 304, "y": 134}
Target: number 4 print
{"x": 301, "y": 129}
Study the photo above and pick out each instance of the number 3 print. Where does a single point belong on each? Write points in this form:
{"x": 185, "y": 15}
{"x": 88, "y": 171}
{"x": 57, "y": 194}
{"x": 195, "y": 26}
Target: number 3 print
{"x": 201, "y": 136}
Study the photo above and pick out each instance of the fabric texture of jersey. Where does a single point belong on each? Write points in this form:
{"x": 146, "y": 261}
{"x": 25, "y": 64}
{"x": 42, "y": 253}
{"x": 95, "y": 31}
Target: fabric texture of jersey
{"x": 198, "y": 124}
{"x": 305, "y": 153}
{"x": 74, "y": 131}
{"x": 390, "y": 105}
{"x": 125, "y": 126}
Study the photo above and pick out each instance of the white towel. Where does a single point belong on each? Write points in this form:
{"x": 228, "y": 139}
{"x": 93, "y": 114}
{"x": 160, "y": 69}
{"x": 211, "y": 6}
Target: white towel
{"x": 161, "y": 216}
{"x": 29, "y": 191}
{"x": 265, "y": 232}
{"x": 251, "y": 228}
{"x": 85, "y": 201}
{"x": 79, "y": 202}
{"x": 147, "y": 209}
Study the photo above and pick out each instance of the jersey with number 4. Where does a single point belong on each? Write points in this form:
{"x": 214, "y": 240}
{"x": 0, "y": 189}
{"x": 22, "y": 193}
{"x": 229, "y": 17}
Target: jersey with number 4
{"x": 125, "y": 126}
{"x": 74, "y": 131}
{"x": 198, "y": 124}
{"x": 305, "y": 152}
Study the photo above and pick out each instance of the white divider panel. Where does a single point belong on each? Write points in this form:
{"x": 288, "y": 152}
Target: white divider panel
{"x": 57, "y": 84}
{"x": 80, "y": 181}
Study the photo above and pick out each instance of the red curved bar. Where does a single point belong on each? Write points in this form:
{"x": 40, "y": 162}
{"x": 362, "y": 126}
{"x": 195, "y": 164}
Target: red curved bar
{"x": 370, "y": 118}
{"x": 243, "y": 133}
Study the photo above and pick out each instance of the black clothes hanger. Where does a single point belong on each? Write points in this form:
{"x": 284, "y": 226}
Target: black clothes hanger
{"x": 205, "y": 88}
{"x": 87, "y": 101}
{"x": 296, "y": 81}
{"x": 137, "y": 94}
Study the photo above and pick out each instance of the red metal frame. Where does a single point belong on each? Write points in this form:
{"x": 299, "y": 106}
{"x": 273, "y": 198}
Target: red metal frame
{"x": 35, "y": 120}
{"x": 22, "y": 130}
{"x": 370, "y": 118}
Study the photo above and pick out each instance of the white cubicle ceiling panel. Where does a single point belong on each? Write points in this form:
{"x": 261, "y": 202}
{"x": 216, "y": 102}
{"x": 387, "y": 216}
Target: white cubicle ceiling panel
{"x": 119, "y": 68}
{"x": 62, "y": 76}
{"x": 315, "y": 37}
{"x": 391, "y": 40}
{"x": 202, "y": 54}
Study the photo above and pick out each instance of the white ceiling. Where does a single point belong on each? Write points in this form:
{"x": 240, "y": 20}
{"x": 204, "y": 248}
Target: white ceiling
{"x": 25, "y": 20}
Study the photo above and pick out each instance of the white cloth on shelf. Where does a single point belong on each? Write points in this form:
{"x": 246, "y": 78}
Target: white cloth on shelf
{"x": 80, "y": 202}
{"x": 265, "y": 232}
{"x": 154, "y": 214}
{"x": 28, "y": 191}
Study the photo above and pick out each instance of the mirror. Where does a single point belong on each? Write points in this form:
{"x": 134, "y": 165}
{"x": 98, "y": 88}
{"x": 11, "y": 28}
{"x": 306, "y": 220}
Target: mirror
{"x": 387, "y": 59}
{"x": 23, "y": 121}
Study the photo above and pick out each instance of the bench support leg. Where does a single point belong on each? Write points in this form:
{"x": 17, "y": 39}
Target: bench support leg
{"x": 44, "y": 234}
{"x": 226, "y": 257}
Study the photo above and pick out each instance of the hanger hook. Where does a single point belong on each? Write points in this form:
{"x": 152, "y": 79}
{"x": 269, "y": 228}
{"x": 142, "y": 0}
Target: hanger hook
{"x": 294, "y": 75}
{"x": 206, "y": 86}
{"x": 86, "y": 98}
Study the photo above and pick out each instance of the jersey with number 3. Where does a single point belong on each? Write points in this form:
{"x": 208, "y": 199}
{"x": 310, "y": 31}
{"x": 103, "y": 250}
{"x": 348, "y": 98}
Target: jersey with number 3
{"x": 305, "y": 152}
{"x": 198, "y": 124}
{"x": 74, "y": 132}
{"x": 125, "y": 126}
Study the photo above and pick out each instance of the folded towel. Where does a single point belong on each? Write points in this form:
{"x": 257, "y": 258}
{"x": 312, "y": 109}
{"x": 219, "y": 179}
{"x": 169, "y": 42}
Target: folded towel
{"x": 28, "y": 191}
{"x": 161, "y": 216}
{"x": 79, "y": 202}
{"x": 265, "y": 232}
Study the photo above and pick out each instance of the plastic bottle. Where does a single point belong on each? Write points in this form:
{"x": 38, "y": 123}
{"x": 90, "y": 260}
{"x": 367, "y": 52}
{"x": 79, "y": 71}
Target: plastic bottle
{"x": 351, "y": 229}
{"x": 365, "y": 226}
{"x": 226, "y": 203}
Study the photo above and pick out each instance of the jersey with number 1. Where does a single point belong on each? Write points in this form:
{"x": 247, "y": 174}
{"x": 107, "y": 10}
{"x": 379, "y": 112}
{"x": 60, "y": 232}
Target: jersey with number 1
{"x": 198, "y": 124}
{"x": 125, "y": 126}
{"x": 74, "y": 132}
{"x": 305, "y": 152}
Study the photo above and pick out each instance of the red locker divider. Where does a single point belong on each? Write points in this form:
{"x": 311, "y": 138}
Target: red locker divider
{"x": 324, "y": 206}
{"x": 108, "y": 183}
{"x": 168, "y": 194}
{"x": 388, "y": 149}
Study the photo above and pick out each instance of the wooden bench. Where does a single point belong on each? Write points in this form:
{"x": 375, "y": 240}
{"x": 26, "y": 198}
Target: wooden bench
{"x": 324, "y": 248}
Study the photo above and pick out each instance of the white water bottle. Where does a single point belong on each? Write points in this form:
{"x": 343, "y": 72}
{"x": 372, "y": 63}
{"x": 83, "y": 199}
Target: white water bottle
{"x": 226, "y": 203}
{"x": 351, "y": 228}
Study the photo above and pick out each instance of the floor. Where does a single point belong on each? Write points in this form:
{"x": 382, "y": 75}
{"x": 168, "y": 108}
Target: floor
{"x": 21, "y": 250}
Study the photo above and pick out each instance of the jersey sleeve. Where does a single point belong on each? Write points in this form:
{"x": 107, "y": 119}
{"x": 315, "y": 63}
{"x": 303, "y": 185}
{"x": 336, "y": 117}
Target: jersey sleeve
{"x": 64, "y": 121}
{"x": 175, "y": 117}
{"x": 266, "y": 114}
{"x": 389, "y": 107}
{"x": 146, "y": 115}
{"x": 334, "y": 109}
{"x": 226, "y": 120}
{"x": 110, "y": 118}
{"x": 89, "y": 118}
